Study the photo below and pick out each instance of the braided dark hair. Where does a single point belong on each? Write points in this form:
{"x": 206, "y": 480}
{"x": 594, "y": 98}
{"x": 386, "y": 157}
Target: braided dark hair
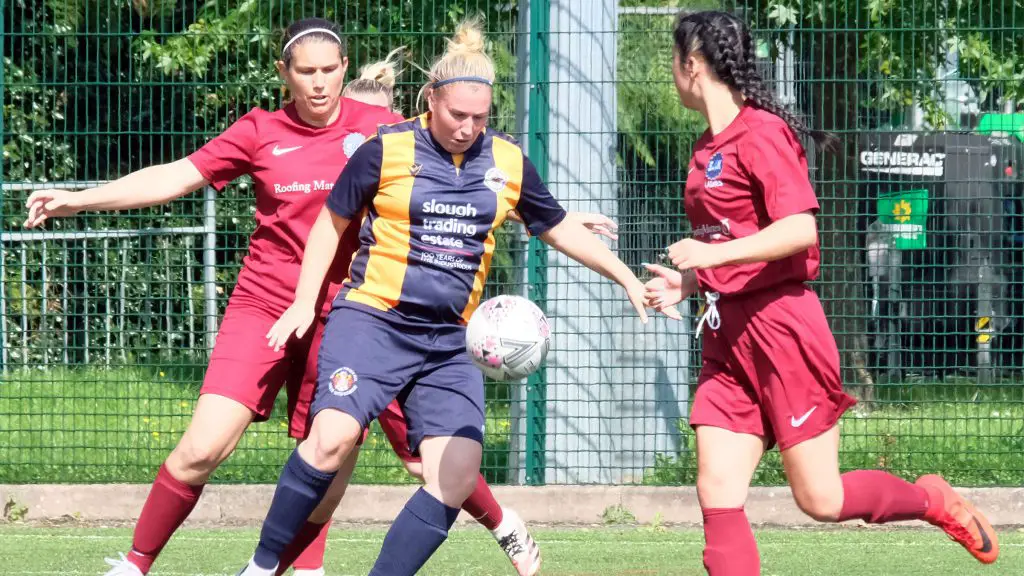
{"x": 725, "y": 43}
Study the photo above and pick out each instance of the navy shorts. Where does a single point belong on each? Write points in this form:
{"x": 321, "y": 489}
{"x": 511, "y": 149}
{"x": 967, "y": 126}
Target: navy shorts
{"x": 368, "y": 359}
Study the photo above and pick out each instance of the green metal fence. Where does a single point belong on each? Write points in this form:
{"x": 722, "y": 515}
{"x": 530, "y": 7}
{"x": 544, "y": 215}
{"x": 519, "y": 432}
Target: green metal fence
{"x": 106, "y": 319}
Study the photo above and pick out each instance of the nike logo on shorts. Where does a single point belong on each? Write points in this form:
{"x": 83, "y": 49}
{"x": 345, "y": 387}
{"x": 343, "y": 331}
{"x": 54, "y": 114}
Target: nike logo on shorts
{"x": 282, "y": 151}
{"x": 798, "y": 422}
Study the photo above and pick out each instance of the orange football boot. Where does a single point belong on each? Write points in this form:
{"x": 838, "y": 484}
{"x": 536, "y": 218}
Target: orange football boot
{"x": 959, "y": 519}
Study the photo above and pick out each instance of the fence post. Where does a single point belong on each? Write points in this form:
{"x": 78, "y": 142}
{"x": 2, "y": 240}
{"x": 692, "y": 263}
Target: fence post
{"x": 24, "y": 305}
{"x": 537, "y": 147}
{"x": 516, "y": 465}
{"x": 210, "y": 265}
{"x": 3, "y": 287}
{"x": 3, "y": 220}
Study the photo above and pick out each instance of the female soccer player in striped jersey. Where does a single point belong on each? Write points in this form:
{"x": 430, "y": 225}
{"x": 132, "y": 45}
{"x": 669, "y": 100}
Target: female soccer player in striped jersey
{"x": 770, "y": 370}
{"x": 375, "y": 86}
{"x": 428, "y": 194}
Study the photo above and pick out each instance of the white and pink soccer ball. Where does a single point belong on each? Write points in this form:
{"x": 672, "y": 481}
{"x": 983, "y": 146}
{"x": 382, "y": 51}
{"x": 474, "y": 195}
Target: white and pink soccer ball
{"x": 508, "y": 337}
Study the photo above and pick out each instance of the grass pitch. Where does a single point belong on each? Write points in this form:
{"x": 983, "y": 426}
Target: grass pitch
{"x": 470, "y": 551}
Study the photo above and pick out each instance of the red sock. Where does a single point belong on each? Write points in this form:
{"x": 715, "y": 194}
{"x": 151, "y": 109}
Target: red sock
{"x": 482, "y": 505}
{"x": 170, "y": 501}
{"x": 878, "y": 497}
{"x": 306, "y": 552}
{"x": 729, "y": 545}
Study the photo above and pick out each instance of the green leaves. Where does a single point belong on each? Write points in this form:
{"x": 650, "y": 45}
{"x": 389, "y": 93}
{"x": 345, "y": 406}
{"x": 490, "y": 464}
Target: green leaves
{"x": 782, "y": 15}
{"x": 877, "y": 9}
{"x": 156, "y": 9}
{"x": 654, "y": 125}
{"x": 66, "y": 14}
{"x": 901, "y": 48}
{"x": 35, "y": 152}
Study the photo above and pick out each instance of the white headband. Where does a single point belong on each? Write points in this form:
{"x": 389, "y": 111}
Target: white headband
{"x": 307, "y": 32}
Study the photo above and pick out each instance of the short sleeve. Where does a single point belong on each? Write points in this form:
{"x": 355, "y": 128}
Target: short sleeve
{"x": 358, "y": 182}
{"x": 229, "y": 155}
{"x": 777, "y": 166}
{"x": 537, "y": 207}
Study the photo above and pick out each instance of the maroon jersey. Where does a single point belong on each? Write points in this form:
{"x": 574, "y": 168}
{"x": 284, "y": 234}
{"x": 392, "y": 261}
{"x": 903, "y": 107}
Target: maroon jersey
{"x": 740, "y": 181}
{"x": 293, "y": 166}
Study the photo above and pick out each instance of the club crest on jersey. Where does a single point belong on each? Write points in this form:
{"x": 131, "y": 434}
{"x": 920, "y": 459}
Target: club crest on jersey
{"x": 714, "y": 170}
{"x": 495, "y": 179}
{"x": 343, "y": 381}
{"x": 415, "y": 169}
{"x": 352, "y": 142}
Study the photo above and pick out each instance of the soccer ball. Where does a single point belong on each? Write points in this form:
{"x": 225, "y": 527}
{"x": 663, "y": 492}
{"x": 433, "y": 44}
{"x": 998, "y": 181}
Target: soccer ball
{"x": 508, "y": 337}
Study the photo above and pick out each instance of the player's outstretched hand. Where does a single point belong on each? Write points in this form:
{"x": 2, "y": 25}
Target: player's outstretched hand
{"x": 690, "y": 254}
{"x": 44, "y": 204}
{"x": 665, "y": 290}
{"x": 635, "y": 293}
{"x": 295, "y": 320}
{"x": 597, "y": 223}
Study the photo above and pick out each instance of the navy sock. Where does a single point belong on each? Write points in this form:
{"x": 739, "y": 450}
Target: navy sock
{"x": 299, "y": 490}
{"x": 417, "y": 532}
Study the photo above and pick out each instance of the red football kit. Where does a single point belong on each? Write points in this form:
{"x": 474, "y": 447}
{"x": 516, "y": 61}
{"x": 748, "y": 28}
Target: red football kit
{"x": 293, "y": 167}
{"x": 770, "y": 362}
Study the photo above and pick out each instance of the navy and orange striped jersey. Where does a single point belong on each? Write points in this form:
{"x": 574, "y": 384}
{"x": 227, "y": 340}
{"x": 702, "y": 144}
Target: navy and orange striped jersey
{"x": 428, "y": 219}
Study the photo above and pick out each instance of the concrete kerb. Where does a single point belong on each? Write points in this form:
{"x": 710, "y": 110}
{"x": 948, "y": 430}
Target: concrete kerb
{"x": 566, "y": 505}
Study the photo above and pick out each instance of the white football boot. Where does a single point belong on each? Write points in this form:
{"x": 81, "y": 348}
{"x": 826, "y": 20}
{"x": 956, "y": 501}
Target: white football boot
{"x": 122, "y": 567}
{"x": 515, "y": 540}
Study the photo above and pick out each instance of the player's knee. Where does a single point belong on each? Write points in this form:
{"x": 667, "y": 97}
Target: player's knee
{"x": 715, "y": 490}
{"x": 821, "y": 505}
{"x": 331, "y": 439}
{"x": 454, "y": 482}
{"x": 196, "y": 457}
{"x": 329, "y": 450}
{"x": 458, "y": 484}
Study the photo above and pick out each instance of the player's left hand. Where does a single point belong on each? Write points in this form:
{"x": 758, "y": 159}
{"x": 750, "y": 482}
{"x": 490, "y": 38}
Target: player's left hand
{"x": 635, "y": 292}
{"x": 666, "y": 290}
{"x": 295, "y": 320}
{"x": 690, "y": 254}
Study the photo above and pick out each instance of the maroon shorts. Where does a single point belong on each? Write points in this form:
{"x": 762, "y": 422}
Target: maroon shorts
{"x": 242, "y": 367}
{"x": 393, "y": 423}
{"x": 771, "y": 368}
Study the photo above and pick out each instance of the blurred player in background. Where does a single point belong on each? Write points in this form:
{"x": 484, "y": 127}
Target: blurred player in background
{"x": 770, "y": 370}
{"x": 429, "y": 193}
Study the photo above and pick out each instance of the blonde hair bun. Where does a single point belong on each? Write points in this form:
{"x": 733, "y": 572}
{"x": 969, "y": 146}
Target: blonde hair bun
{"x": 384, "y": 72}
{"x": 468, "y": 38}
{"x": 464, "y": 59}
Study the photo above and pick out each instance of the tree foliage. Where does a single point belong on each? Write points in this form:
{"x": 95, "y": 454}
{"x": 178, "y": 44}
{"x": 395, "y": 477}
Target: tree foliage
{"x": 903, "y": 48}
